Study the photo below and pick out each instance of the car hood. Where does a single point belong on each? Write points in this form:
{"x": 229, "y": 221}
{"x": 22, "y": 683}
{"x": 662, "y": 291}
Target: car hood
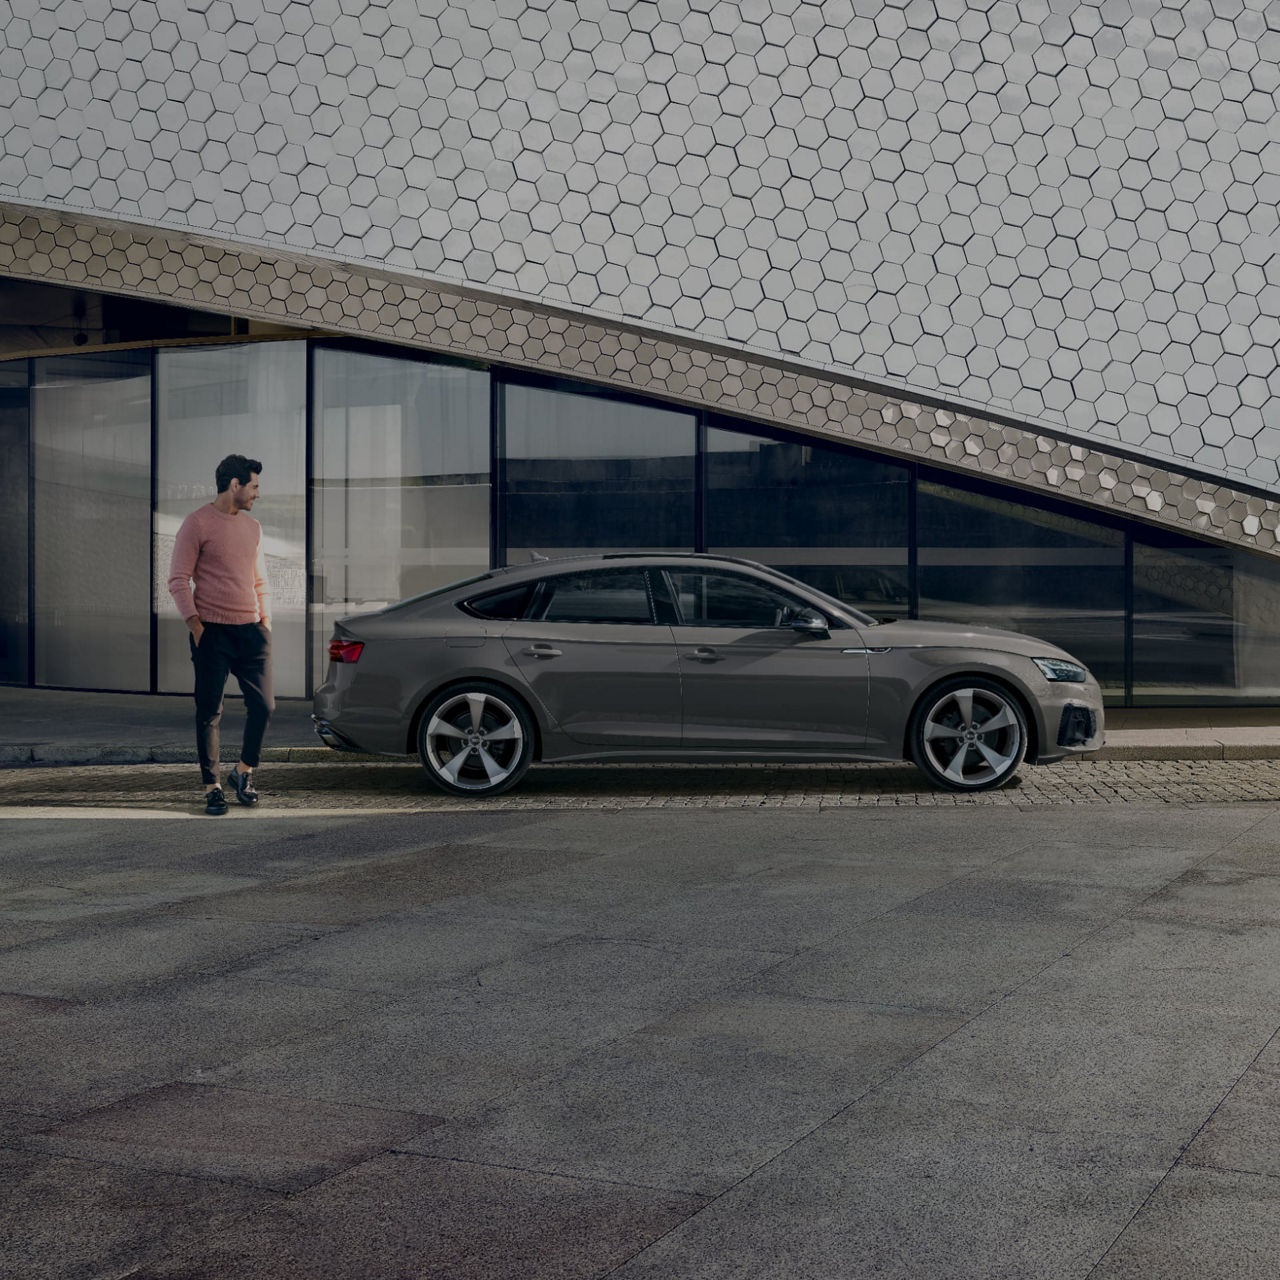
{"x": 916, "y": 633}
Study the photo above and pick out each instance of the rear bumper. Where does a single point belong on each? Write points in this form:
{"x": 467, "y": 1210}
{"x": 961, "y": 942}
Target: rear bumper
{"x": 331, "y": 737}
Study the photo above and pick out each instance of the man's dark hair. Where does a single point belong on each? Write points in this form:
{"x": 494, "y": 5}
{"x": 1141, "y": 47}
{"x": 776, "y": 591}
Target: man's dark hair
{"x": 235, "y": 466}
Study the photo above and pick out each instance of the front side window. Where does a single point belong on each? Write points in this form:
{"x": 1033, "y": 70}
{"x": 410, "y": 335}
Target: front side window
{"x": 609, "y": 595}
{"x": 727, "y": 600}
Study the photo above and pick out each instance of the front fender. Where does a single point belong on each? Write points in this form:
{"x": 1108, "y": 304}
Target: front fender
{"x": 902, "y": 677}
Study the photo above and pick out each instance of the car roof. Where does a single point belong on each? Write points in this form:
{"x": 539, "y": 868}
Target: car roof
{"x": 535, "y": 568}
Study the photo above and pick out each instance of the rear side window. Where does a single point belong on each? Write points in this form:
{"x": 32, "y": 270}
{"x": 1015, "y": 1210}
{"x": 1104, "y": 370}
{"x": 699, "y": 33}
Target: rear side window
{"x": 605, "y": 595}
{"x": 501, "y": 605}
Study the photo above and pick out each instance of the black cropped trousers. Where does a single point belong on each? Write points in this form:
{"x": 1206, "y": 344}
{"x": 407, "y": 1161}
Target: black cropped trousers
{"x": 243, "y": 651}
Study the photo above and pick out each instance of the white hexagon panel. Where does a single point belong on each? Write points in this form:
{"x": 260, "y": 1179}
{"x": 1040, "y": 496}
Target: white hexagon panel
{"x": 1063, "y": 211}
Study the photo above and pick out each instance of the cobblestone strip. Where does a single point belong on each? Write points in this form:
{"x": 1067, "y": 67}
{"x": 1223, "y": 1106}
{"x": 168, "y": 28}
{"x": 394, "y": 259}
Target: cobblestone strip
{"x": 402, "y": 786}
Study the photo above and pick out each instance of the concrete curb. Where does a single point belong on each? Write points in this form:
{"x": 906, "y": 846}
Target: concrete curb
{"x": 51, "y": 755}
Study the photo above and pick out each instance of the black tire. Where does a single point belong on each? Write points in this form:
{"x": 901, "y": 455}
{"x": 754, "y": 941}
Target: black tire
{"x": 950, "y": 743}
{"x": 475, "y": 739}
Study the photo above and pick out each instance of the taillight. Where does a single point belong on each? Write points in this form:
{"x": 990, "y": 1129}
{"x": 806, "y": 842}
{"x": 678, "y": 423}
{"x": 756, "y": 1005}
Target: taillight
{"x": 345, "y": 650}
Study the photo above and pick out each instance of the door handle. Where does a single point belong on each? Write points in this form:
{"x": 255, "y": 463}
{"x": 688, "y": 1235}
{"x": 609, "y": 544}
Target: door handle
{"x": 541, "y": 651}
{"x": 704, "y": 654}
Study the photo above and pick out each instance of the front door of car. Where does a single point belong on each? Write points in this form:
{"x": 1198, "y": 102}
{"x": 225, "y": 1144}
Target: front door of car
{"x": 605, "y": 672}
{"x": 751, "y": 681}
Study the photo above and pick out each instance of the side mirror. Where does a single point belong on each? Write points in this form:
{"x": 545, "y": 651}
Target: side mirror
{"x": 808, "y": 622}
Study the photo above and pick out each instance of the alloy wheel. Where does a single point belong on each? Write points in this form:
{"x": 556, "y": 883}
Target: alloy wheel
{"x": 970, "y": 737}
{"x": 475, "y": 741}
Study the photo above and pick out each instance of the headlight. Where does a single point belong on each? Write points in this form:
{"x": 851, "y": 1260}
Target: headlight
{"x": 1059, "y": 669}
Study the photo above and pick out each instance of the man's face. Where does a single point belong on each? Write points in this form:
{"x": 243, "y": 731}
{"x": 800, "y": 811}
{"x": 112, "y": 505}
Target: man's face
{"x": 243, "y": 496}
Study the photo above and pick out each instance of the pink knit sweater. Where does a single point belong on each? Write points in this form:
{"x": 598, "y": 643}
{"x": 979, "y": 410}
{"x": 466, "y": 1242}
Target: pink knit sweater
{"x": 223, "y": 554}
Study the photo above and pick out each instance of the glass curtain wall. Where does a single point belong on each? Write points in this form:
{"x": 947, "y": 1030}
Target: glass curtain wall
{"x": 91, "y": 437}
{"x": 400, "y": 499}
{"x": 400, "y": 482}
{"x": 1206, "y": 623}
{"x": 212, "y": 401}
{"x": 15, "y": 535}
{"x": 835, "y": 519}
{"x": 987, "y": 558}
{"x": 592, "y": 473}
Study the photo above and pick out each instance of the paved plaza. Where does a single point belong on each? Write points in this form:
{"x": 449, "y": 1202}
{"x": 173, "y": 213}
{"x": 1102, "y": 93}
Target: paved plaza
{"x": 750, "y": 1023}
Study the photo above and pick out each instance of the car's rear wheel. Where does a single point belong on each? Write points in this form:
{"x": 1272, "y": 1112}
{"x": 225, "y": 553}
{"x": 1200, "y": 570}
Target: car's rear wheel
{"x": 475, "y": 739}
{"x": 968, "y": 735}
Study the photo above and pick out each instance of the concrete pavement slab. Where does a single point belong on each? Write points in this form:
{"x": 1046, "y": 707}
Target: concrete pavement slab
{"x": 997, "y": 1147}
{"x": 605, "y": 972}
{"x": 381, "y": 887}
{"x": 773, "y": 912}
{"x": 651, "y": 1108}
{"x": 1168, "y": 965}
{"x": 1257, "y": 852}
{"x": 1201, "y": 1224}
{"x": 90, "y": 1054}
{"x": 987, "y": 895}
{"x": 96, "y": 961}
{"x": 77, "y": 1220}
{"x": 1243, "y": 1134}
{"x": 436, "y": 1218}
{"x": 1093, "y": 1066}
{"x": 15, "y": 1124}
{"x": 449, "y": 1051}
{"x": 404, "y": 954}
{"x": 82, "y": 897}
{"x": 1216, "y": 895}
{"x": 906, "y": 1191}
{"x": 1140, "y": 867}
{"x": 14, "y": 934}
{"x": 924, "y": 962}
{"x": 232, "y": 1135}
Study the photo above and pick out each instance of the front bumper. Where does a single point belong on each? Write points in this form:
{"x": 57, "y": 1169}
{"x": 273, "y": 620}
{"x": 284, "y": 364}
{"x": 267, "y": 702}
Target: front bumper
{"x": 1072, "y": 721}
{"x": 1077, "y": 726}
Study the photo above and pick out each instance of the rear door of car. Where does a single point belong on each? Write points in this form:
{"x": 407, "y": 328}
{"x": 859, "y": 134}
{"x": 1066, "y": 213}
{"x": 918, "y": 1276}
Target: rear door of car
{"x": 597, "y": 660}
{"x": 751, "y": 681}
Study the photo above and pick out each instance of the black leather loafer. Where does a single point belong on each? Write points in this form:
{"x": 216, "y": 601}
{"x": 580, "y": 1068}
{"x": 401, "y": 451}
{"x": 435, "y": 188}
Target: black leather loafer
{"x": 242, "y": 785}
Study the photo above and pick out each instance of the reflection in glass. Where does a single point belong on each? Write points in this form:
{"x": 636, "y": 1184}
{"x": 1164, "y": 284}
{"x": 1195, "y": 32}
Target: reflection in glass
{"x": 988, "y": 559}
{"x": 212, "y": 401}
{"x": 1206, "y": 623}
{"x": 41, "y": 317}
{"x": 91, "y": 432}
{"x": 400, "y": 489}
{"x": 833, "y": 518}
{"x": 727, "y": 600}
{"x": 616, "y": 596}
{"x": 14, "y": 531}
{"x": 592, "y": 473}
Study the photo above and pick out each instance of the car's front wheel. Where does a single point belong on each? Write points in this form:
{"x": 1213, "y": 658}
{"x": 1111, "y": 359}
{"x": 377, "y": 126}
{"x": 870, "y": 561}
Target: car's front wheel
{"x": 475, "y": 739}
{"x": 968, "y": 735}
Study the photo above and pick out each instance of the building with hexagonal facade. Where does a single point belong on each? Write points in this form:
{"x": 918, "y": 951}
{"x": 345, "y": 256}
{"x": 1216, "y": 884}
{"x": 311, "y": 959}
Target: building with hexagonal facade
{"x": 955, "y": 309}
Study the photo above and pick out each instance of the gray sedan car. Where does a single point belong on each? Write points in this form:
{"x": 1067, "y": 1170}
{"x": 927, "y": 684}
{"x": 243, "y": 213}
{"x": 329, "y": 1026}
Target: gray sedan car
{"x": 645, "y": 657}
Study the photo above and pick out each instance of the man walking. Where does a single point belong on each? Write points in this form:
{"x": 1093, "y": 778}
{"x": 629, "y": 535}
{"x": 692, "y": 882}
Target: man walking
{"x": 219, "y": 548}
